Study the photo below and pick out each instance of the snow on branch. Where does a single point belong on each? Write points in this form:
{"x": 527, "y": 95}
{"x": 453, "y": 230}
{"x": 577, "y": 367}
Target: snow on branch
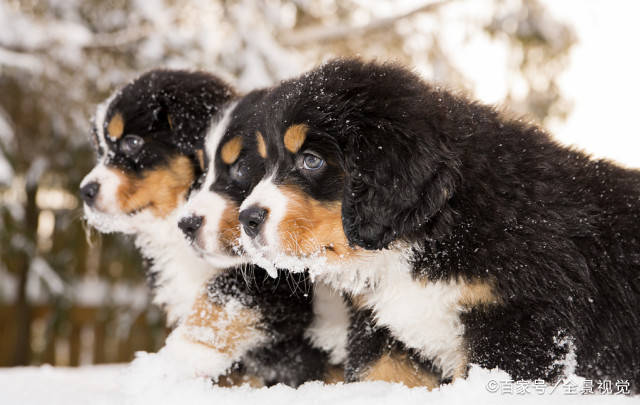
{"x": 20, "y": 60}
{"x": 119, "y": 38}
{"x": 334, "y": 33}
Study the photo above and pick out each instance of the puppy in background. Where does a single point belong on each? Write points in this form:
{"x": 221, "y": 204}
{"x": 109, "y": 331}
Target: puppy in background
{"x": 468, "y": 236}
{"x": 147, "y": 137}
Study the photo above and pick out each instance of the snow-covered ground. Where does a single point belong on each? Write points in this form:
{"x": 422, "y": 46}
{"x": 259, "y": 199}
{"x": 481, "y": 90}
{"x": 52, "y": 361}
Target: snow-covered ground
{"x": 115, "y": 385}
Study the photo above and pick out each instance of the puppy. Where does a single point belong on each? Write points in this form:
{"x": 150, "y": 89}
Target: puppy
{"x": 147, "y": 137}
{"x": 210, "y": 221}
{"x": 470, "y": 237}
{"x": 149, "y": 140}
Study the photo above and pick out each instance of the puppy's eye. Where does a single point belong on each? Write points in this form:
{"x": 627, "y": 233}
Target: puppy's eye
{"x": 311, "y": 161}
{"x": 239, "y": 171}
{"x": 131, "y": 144}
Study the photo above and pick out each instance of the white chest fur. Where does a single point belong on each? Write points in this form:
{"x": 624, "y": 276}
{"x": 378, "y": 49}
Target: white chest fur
{"x": 423, "y": 315}
{"x": 330, "y": 323}
{"x": 181, "y": 274}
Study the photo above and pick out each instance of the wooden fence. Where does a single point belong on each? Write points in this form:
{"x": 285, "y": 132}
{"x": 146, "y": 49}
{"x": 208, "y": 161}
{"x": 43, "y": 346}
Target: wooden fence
{"x": 76, "y": 335}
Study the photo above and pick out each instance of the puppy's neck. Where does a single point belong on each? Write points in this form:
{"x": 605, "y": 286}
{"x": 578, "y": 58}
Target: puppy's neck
{"x": 365, "y": 272}
{"x": 180, "y": 273}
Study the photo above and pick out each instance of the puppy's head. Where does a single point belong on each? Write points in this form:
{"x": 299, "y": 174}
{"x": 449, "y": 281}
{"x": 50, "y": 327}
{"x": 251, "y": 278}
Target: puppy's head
{"x": 147, "y": 137}
{"x": 232, "y": 167}
{"x": 354, "y": 160}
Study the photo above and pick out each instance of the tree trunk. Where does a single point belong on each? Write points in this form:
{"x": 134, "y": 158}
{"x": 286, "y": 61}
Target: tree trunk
{"x": 22, "y": 353}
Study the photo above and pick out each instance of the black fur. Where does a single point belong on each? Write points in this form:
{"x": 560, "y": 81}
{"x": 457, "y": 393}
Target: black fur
{"x": 481, "y": 197}
{"x": 170, "y": 110}
{"x": 248, "y": 167}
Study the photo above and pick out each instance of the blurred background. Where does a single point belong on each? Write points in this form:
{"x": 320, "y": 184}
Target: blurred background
{"x": 69, "y": 296}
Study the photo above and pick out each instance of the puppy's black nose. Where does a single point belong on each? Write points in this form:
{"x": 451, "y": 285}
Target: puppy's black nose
{"x": 190, "y": 225}
{"x": 89, "y": 191}
{"x": 251, "y": 219}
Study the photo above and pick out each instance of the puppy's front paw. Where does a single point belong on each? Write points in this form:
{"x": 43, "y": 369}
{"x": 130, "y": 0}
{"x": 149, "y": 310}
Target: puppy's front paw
{"x": 181, "y": 359}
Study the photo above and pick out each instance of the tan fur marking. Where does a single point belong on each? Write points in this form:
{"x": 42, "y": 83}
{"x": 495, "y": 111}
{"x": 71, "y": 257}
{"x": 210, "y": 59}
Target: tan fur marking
{"x": 200, "y": 157}
{"x": 229, "y": 227}
{"x": 358, "y": 301}
{"x": 231, "y": 150}
{"x": 262, "y": 147}
{"x": 116, "y": 126}
{"x": 160, "y": 190}
{"x": 219, "y": 329}
{"x": 310, "y": 226}
{"x": 334, "y": 375}
{"x": 397, "y": 367}
{"x": 477, "y": 293}
{"x": 294, "y": 137}
{"x": 461, "y": 370}
{"x": 170, "y": 120}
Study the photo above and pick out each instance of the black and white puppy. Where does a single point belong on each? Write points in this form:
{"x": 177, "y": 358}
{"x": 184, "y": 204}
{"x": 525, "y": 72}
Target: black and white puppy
{"x": 471, "y": 237}
{"x": 286, "y": 327}
{"x": 149, "y": 138}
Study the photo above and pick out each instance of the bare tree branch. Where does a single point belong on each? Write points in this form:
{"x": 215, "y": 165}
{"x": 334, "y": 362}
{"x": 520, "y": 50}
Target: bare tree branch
{"x": 119, "y": 38}
{"x": 19, "y": 60}
{"x": 333, "y": 33}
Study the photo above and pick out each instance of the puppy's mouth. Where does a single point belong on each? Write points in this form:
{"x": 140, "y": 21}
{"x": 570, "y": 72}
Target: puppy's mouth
{"x": 269, "y": 257}
{"x": 225, "y": 258}
{"x": 139, "y": 209}
{"x": 221, "y": 255}
{"x": 108, "y": 222}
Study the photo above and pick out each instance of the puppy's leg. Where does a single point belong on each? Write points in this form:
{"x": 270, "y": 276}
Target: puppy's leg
{"x": 374, "y": 355}
{"x": 515, "y": 340}
{"x": 216, "y": 334}
{"x": 250, "y": 318}
{"x": 285, "y": 309}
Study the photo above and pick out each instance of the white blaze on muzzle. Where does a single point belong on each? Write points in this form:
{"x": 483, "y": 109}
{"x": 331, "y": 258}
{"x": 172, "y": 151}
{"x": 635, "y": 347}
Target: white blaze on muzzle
{"x": 105, "y": 213}
{"x": 109, "y": 182}
{"x": 266, "y": 246}
{"x": 210, "y": 206}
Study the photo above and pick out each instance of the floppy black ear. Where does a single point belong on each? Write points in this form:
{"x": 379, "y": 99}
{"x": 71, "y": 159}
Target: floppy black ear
{"x": 400, "y": 170}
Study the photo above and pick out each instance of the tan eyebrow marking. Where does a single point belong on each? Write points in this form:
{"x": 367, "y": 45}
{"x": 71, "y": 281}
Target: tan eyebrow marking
{"x": 231, "y": 150}
{"x": 116, "y": 126}
{"x": 294, "y": 137}
{"x": 262, "y": 147}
